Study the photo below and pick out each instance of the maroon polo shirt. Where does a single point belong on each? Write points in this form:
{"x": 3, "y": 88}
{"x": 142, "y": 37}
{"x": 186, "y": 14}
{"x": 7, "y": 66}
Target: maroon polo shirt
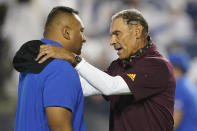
{"x": 152, "y": 84}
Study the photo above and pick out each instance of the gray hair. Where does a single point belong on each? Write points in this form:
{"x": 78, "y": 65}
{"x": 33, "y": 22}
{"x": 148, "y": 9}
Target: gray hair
{"x": 131, "y": 16}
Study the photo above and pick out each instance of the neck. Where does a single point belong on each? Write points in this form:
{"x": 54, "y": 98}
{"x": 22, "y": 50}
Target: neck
{"x": 142, "y": 43}
{"x": 54, "y": 37}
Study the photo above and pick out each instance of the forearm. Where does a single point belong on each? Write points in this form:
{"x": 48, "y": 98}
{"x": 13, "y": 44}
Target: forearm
{"x": 106, "y": 84}
{"x": 88, "y": 89}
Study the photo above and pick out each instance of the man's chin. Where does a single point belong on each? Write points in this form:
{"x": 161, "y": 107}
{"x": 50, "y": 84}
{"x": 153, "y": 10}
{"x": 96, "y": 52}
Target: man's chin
{"x": 78, "y": 52}
{"x": 122, "y": 57}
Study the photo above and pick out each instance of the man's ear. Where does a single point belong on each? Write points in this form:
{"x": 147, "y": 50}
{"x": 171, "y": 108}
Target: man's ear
{"x": 138, "y": 31}
{"x": 66, "y": 32}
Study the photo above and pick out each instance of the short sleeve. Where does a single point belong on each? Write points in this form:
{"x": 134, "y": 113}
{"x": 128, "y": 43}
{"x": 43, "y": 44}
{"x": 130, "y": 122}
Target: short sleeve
{"x": 61, "y": 87}
{"x": 147, "y": 79}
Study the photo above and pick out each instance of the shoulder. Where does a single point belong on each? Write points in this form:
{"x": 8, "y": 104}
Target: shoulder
{"x": 156, "y": 61}
{"x": 61, "y": 73}
{"x": 153, "y": 57}
{"x": 61, "y": 63}
{"x": 60, "y": 67}
{"x": 158, "y": 66}
{"x": 113, "y": 64}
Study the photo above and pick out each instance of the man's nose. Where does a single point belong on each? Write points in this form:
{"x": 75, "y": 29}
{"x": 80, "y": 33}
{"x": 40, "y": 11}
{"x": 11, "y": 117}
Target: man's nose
{"x": 113, "y": 40}
{"x": 83, "y": 38}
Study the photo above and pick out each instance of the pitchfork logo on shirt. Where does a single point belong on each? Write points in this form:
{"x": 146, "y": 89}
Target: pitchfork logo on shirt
{"x": 132, "y": 76}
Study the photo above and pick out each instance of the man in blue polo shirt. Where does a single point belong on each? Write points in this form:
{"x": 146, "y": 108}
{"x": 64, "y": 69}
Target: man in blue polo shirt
{"x": 50, "y": 95}
{"x": 185, "y": 109}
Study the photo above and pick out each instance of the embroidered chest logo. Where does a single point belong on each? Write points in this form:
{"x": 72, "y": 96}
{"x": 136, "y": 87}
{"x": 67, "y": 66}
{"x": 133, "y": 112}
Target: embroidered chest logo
{"x": 132, "y": 76}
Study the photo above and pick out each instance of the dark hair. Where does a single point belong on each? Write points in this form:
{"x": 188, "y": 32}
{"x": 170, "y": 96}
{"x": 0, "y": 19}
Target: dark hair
{"x": 56, "y": 11}
{"x": 3, "y": 12}
{"x": 132, "y": 15}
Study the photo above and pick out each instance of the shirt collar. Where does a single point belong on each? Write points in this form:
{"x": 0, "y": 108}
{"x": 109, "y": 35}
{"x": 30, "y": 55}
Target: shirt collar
{"x": 47, "y": 41}
{"x": 141, "y": 52}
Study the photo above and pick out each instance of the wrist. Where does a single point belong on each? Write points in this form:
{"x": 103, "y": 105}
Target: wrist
{"x": 74, "y": 59}
{"x": 77, "y": 60}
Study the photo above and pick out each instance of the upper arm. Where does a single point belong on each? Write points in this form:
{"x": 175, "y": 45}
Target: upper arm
{"x": 59, "y": 119}
{"x": 61, "y": 88}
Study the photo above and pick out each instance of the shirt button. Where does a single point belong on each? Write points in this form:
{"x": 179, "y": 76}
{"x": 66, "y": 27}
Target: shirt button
{"x": 146, "y": 76}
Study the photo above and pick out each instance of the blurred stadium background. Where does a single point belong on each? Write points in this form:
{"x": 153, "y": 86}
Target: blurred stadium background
{"x": 172, "y": 23}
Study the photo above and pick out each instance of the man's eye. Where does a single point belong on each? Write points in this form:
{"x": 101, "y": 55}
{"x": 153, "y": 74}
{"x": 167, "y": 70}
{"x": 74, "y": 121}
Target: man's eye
{"x": 116, "y": 34}
{"x": 82, "y": 30}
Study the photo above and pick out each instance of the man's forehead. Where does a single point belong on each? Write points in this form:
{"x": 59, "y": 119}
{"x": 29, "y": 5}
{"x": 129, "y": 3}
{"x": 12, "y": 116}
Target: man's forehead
{"x": 79, "y": 20}
{"x": 116, "y": 24}
{"x": 118, "y": 21}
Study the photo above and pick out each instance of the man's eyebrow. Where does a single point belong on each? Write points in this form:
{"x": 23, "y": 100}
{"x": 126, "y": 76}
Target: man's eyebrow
{"x": 82, "y": 29}
{"x": 114, "y": 32}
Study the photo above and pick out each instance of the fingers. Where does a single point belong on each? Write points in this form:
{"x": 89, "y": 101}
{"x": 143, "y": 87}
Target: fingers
{"x": 40, "y": 55}
{"x": 43, "y": 52}
{"x": 43, "y": 59}
{"x": 44, "y": 46}
{"x": 47, "y": 51}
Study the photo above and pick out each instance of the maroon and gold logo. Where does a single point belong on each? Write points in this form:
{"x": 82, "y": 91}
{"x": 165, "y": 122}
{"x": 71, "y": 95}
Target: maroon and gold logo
{"x": 132, "y": 76}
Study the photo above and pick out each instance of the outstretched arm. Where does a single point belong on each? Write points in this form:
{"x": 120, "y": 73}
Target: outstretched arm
{"x": 104, "y": 83}
{"x": 88, "y": 89}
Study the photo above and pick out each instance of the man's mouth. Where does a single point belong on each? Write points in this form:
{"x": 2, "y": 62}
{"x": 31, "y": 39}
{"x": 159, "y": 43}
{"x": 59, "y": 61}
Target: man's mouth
{"x": 119, "y": 50}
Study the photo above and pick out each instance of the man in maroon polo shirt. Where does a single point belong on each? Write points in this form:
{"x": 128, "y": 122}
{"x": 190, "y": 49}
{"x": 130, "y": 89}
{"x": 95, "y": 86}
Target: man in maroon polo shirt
{"x": 139, "y": 85}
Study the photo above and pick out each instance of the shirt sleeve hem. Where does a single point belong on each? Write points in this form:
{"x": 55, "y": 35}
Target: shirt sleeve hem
{"x": 63, "y": 106}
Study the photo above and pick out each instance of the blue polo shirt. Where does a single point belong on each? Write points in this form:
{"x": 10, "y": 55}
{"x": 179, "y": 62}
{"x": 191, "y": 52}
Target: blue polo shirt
{"x": 186, "y": 100}
{"x": 57, "y": 85}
